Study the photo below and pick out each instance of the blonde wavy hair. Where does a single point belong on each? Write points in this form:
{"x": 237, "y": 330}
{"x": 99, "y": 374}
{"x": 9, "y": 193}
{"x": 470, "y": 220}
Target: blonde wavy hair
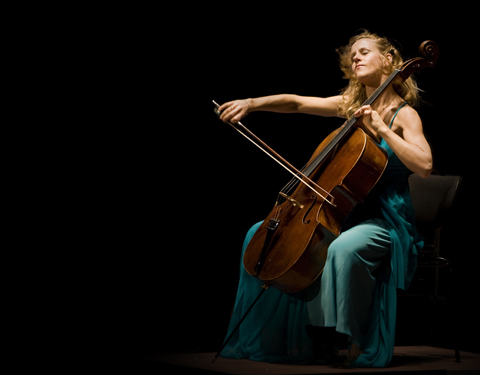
{"x": 354, "y": 95}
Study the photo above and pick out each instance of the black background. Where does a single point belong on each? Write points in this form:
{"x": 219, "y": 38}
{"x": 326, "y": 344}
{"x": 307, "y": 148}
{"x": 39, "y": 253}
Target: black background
{"x": 174, "y": 190}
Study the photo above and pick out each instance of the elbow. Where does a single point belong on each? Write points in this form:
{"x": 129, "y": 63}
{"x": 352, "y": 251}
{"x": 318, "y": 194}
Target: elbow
{"x": 426, "y": 171}
{"x": 294, "y": 104}
{"x": 423, "y": 169}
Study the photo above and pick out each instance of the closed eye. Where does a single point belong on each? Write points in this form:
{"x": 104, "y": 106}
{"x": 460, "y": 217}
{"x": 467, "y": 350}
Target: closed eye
{"x": 363, "y": 51}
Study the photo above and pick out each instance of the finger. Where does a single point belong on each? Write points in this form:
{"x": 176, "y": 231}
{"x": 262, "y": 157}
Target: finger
{"x": 228, "y": 114}
{"x": 236, "y": 118}
{"x": 366, "y": 110}
{"x": 359, "y": 112}
{"x": 224, "y": 106}
{"x": 231, "y": 108}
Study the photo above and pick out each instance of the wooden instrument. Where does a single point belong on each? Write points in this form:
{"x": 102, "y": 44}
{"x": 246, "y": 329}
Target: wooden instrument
{"x": 289, "y": 249}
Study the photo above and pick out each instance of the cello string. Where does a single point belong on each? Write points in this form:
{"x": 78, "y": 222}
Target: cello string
{"x": 289, "y": 171}
{"x": 292, "y": 183}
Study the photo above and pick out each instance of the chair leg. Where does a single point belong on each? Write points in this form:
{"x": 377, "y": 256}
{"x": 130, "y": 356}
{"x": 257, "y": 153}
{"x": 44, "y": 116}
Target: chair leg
{"x": 452, "y": 308}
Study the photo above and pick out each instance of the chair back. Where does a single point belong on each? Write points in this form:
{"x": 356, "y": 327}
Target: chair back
{"x": 433, "y": 199}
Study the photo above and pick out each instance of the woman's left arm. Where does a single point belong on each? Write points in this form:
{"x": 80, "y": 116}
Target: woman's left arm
{"x": 411, "y": 147}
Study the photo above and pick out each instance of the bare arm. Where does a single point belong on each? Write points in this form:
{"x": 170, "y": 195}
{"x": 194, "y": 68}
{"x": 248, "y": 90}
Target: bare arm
{"x": 407, "y": 141}
{"x": 235, "y": 110}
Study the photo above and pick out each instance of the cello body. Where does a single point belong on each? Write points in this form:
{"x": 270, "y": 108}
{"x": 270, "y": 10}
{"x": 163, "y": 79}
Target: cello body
{"x": 296, "y": 251}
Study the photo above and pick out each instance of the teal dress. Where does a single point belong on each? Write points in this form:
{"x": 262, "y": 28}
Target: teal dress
{"x": 356, "y": 293}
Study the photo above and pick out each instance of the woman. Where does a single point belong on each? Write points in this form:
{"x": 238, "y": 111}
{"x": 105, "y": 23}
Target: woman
{"x": 377, "y": 249}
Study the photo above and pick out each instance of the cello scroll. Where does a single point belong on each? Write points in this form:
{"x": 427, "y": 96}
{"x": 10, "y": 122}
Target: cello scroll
{"x": 429, "y": 50}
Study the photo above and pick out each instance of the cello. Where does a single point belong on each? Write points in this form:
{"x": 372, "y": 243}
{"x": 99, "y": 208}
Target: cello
{"x": 289, "y": 250}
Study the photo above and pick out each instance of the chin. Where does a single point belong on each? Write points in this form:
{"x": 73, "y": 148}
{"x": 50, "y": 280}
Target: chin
{"x": 362, "y": 79}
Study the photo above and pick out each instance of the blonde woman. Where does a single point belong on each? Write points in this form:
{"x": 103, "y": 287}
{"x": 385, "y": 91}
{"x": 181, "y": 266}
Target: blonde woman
{"x": 377, "y": 249}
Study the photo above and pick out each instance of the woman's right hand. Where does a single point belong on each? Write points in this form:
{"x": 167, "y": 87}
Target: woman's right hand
{"x": 234, "y": 111}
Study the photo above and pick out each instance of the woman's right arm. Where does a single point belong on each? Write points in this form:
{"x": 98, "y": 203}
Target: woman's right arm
{"x": 235, "y": 110}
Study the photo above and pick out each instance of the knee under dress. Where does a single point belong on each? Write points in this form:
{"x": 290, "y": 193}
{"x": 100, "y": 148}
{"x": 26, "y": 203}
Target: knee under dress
{"x": 356, "y": 292}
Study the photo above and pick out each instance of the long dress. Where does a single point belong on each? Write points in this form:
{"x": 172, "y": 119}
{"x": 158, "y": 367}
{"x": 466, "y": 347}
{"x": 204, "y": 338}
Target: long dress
{"x": 375, "y": 254}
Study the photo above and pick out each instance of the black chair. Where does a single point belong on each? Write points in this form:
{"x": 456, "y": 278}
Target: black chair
{"x": 434, "y": 200}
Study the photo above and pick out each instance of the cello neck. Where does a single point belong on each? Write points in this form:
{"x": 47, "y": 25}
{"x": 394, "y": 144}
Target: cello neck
{"x": 349, "y": 124}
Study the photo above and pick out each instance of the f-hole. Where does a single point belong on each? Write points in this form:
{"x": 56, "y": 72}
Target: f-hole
{"x": 315, "y": 197}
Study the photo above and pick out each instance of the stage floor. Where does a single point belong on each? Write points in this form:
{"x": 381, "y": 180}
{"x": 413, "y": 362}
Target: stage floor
{"x": 420, "y": 359}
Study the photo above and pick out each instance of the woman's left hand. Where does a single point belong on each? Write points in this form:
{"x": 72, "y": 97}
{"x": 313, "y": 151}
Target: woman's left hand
{"x": 371, "y": 118}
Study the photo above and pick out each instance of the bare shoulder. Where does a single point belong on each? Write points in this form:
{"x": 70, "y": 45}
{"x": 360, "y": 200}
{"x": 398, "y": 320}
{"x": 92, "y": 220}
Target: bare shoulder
{"x": 409, "y": 114}
{"x": 408, "y": 119}
{"x": 408, "y": 125}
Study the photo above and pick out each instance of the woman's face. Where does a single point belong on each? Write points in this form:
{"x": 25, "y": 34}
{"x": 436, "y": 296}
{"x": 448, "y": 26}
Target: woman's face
{"x": 367, "y": 62}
